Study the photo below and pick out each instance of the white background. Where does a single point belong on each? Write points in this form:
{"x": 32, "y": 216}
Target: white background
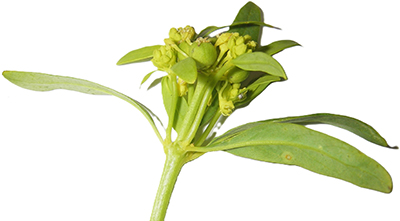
{"x": 71, "y": 156}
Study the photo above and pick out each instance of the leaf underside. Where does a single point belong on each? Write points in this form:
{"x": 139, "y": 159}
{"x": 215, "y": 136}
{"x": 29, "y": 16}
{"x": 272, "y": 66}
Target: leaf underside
{"x": 138, "y": 55}
{"x": 46, "y": 82}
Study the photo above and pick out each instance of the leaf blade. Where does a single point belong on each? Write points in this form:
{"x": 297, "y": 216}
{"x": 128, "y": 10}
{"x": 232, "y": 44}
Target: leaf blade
{"x": 260, "y": 61}
{"x": 249, "y": 12}
{"x": 210, "y": 29}
{"x": 293, "y": 144}
{"x": 186, "y": 70}
{"x": 348, "y": 123}
{"x": 138, "y": 55}
{"x": 256, "y": 88}
{"x": 46, "y": 82}
{"x": 278, "y": 46}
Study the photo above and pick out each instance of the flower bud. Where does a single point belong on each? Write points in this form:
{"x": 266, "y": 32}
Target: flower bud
{"x": 187, "y": 33}
{"x": 164, "y": 57}
{"x": 204, "y": 53}
{"x": 237, "y": 75}
{"x": 174, "y": 35}
{"x": 228, "y": 95}
{"x": 182, "y": 87}
{"x": 226, "y": 107}
{"x": 224, "y": 38}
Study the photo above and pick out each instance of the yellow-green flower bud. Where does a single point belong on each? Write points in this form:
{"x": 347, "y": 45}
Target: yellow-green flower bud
{"x": 228, "y": 95}
{"x": 164, "y": 57}
{"x": 182, "y": 87}
{"x": 226, "y": 107}
{"x": 237, "y": 75}
{"x": 187, "y": 34}
{"x": 174, "y": 35}
{"x": 224, "y": 38}
{"x": 238, "y": 50}
{"x": 204, "y": 53}
{"x": 251, "y": 45}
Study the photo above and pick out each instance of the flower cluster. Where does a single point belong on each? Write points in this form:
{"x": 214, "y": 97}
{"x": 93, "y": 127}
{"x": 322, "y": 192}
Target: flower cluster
{"x": 210, "y": 55}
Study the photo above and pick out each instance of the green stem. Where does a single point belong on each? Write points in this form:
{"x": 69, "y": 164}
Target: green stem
{"x": 173, "y": 165}
{"x": 193, "y": 107}
{"x": 211, "y": 83}
{"x": 210, "y": 126}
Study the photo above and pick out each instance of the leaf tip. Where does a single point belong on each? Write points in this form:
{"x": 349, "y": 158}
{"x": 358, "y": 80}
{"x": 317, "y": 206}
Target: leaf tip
{"x": 5, "y": 73}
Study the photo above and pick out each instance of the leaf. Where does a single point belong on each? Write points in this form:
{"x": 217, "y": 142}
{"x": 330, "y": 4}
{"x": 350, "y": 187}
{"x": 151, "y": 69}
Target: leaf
{"x": 249, "y": 12}
{"x": 138, "y": 55}
{"x": 166, "y": 94}
{"x": 259, "y": 61}
{"x": 180, "y": 113}
{"x": 45, "y": 82}
{"x": 351, "y": 124}
{"x": 256, "y": 88}
{"x": 155, "y": 83}
{"x": 181, "y": 106}
{"x": 211, "y": 111}
{"x": 210, "y": 29}
{"x": 146, "y": 77}
{"x": 186, "y": 70}
{"x": 294, "y": 144}
{"x": 278, "y": 46}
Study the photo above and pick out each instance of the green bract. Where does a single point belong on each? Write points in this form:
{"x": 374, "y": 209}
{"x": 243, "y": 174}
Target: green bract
{"x": 204, "y": 53}
{"x": 207, "y": 78}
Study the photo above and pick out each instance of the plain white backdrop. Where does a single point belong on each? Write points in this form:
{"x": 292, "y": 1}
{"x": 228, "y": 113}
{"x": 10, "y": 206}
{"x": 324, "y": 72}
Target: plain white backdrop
{"x": 71, "y": 156}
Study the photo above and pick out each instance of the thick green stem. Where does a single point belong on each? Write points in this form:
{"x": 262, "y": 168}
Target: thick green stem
{"x": 173, "y": 165}
{"x": 199, "y": 104}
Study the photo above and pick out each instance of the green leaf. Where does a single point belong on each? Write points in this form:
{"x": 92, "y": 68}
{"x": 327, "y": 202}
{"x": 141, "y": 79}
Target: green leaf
{"x": 138, "y": 55}
{"x": 351, "y": 124}
{"x": 278, "y": 46}
{"x": 259, "y": 61}
{"x": 294, "y": 144}
{"x": 256, "y": 88}
{"x": 186, "y": 70}
{"x": 249, "y": 12}
{"x": 45, "y": 82}
{"x": 210, "y": 29}
{"x": 146, "y": 77}
{"x": 156, "y": 82}
{"x": 181, "y": 106}
{"x": 166, "y": 94}
{"x": 211, "y": 110}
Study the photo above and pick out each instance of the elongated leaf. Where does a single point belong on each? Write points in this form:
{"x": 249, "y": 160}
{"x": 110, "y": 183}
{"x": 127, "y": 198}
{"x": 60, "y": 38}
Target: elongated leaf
{"x": 278, "y": 46}
{"x": 146, "y": 77}
{"x": 294, "y": 144}
{"x": 259, "y": 61}
{"x": 210, "y": 29}
{"x": 166, "y": 94}
{"x": 181, "y": 106}
{"x": 138, "y": 55}
{"x": 186, "y": 70}
{"x": 155, "y": 82}
{"x": 351, "y": 124}
{"x": 249, "y": 12}
{"x": 45, "y": 82}
{"x": 256, "y": 88}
